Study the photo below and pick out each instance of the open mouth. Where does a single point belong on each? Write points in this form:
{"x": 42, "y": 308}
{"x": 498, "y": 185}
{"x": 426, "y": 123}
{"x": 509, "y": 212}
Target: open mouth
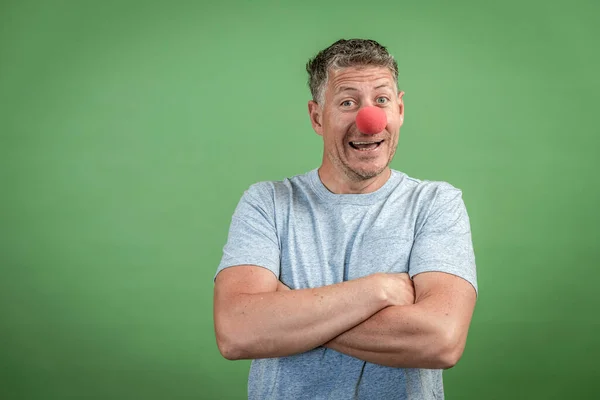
{"x": 366, "y": 145}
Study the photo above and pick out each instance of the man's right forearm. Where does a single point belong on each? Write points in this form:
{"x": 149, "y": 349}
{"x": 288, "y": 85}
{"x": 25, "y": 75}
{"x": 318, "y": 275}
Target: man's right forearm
{"x": 282, "y": 323}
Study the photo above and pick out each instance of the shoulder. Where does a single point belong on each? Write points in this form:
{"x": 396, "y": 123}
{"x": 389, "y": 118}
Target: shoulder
{"x": 427, "y": 191}
{"x": 276, "y": 191}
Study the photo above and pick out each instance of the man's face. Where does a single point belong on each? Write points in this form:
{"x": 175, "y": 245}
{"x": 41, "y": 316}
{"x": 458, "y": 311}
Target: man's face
{"x": 347, "y": 91}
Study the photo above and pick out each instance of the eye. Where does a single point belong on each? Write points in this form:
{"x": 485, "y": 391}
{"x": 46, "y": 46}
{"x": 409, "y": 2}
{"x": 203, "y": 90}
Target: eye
{"x": 381, "y": 100}
{"x": 347, "y": 103}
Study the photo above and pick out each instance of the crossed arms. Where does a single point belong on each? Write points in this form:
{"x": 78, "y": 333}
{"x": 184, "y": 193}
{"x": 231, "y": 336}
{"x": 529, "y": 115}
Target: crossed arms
{"x": 384, "y": 318}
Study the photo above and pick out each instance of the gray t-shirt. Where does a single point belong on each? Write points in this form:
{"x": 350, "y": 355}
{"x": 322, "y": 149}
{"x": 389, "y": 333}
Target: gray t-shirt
{"x": 309, "y": 237}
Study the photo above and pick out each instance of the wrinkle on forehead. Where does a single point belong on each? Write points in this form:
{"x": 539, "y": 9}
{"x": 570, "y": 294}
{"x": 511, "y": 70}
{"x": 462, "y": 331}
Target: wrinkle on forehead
{"x": 359, "y": 76}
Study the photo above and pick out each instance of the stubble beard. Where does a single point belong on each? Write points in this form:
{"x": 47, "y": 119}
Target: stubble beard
{"x": 359, "y": 174}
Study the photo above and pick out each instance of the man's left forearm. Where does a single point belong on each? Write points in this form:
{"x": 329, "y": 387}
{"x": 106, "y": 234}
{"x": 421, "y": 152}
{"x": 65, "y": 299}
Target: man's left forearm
{"x": 411, "y": 336}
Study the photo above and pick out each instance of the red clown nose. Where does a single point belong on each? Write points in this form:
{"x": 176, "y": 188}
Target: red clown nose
{"x": 371, "y": 120}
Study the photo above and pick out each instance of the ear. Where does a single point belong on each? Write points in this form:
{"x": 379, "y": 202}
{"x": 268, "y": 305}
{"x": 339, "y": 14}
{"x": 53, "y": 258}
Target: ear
{"x": 316, "y": 116}
{"x": 401, "y": 107}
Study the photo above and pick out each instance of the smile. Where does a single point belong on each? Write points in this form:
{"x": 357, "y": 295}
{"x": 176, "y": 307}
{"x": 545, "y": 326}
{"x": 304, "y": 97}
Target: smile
{"x": 366, "y": 145}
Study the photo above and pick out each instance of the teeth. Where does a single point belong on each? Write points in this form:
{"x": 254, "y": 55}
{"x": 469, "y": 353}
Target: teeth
{"x": 365, "y": 142}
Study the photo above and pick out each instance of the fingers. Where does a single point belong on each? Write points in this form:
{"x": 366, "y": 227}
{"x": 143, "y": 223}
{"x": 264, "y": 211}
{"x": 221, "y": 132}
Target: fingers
{"x": 282, "y": 287}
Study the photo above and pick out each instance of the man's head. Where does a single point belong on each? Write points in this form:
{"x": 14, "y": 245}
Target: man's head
{"x": 344, "y": 78}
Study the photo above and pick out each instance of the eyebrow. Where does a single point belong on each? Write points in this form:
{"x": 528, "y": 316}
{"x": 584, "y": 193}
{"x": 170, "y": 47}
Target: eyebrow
{"x": 346, "y": 88}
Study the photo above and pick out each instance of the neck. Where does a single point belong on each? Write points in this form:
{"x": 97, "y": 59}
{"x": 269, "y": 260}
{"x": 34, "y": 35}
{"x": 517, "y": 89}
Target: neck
{"x": 342, "y": 184}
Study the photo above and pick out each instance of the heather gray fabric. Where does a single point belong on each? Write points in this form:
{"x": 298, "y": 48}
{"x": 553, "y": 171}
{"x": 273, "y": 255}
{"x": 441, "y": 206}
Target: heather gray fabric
{"x": 309, "y": 237}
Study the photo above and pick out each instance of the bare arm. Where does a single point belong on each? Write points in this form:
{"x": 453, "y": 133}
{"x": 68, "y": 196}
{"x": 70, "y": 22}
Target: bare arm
{"x": 255, "y": 320}
{"x": 431, "y": 333}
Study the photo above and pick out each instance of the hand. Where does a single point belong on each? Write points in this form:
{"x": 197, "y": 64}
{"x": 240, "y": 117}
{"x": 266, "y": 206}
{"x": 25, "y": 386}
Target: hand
{"x": 281, "y": 287}
{"x": 399, "y": 289}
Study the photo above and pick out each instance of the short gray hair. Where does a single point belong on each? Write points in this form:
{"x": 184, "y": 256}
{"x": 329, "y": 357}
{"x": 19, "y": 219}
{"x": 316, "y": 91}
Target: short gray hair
{"x": 346, "y": 53}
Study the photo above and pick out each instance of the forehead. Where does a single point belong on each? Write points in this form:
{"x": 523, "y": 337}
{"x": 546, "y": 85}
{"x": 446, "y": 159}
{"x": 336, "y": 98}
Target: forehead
{"x": 359, "y": 78}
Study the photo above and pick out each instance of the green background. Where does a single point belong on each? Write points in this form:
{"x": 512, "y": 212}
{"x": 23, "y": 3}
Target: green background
{"x": 129, "y": 131}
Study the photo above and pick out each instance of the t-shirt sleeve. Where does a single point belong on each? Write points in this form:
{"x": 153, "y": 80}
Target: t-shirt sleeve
{"x": 252, "y": 238}
{"x": 443, "y": 242}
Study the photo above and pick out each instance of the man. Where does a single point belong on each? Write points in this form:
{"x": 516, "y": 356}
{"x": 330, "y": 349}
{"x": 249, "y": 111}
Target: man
{"x": 353, "y": 281}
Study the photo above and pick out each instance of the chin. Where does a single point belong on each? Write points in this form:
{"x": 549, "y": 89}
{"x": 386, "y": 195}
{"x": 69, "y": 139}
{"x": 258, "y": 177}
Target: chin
{"x": 367, "y": 173}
